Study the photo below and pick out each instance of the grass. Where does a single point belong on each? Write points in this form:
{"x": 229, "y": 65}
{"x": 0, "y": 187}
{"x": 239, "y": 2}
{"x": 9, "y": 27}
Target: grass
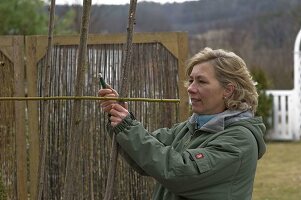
{"x": 278, "y": 175}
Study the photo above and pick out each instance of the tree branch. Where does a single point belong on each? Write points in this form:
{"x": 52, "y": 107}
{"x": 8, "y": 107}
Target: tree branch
{"x": 44, "y": 141}
{"x": 123, "y": 93}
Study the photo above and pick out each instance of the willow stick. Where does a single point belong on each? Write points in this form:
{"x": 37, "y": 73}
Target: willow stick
{"x": 71, "y": 186}
{"x": 123, "y": 93}
{"x": 44, "y": 141}
{"x": 92, "y": 98}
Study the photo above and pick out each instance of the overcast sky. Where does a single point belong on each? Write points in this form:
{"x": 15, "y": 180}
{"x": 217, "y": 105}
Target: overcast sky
{"x": 111, "y": 2}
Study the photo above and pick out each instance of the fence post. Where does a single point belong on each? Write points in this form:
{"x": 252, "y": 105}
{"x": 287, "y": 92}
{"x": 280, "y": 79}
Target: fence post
{"x": 21, "y": 153}
{"x": 297, "y": 86}
{"x": 33, "y": 115}
{"x": 182, "y": 56}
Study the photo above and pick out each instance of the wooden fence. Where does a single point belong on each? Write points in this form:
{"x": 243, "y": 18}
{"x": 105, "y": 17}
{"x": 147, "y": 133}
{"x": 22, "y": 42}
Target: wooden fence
{"x": 157, "y": 71}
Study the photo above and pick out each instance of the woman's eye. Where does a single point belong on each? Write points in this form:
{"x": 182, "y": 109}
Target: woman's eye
{"x": 201, "y": 81}
{"x": 197, "y": 81}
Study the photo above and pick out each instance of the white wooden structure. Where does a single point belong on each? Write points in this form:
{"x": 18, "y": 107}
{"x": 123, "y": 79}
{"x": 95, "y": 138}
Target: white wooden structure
{"x": 286, "y": 117}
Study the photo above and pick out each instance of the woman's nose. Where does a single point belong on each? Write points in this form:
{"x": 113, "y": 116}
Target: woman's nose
{"x": 191, "y": 88}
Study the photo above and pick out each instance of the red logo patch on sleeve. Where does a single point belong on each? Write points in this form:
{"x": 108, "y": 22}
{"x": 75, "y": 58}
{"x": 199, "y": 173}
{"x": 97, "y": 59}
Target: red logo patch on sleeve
{"x": 199, "y": 155}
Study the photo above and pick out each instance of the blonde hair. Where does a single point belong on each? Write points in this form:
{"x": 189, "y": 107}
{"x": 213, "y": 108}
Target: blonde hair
{"x": 229, "y": 68}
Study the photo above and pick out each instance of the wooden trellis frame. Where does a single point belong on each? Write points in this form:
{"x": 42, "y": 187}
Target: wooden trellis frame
{"x": 34, "y": 50}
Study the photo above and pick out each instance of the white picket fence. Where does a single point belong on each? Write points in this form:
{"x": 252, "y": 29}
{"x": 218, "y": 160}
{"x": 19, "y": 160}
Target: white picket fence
{"x": 286, "y": 119}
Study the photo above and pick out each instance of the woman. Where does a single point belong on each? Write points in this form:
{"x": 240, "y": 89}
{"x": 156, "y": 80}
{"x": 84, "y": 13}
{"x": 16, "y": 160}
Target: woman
{"x": 211, "y": 156}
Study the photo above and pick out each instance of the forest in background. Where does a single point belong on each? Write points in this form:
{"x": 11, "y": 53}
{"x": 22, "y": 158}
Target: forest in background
{"x": 261, "y": 31}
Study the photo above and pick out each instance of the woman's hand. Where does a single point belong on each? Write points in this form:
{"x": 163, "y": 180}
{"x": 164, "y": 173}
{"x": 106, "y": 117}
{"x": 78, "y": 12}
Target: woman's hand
{"x": 118, "y": 113}
{"x": 106, "y": 105}
{"x": 117, "y": 110}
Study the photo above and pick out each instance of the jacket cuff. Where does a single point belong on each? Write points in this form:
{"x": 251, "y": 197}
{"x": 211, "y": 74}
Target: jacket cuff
{"x": 126, "y": 122}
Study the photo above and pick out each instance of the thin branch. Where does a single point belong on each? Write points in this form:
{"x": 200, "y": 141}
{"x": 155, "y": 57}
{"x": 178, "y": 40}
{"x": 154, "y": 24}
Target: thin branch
{"x": 71, "y": 186}
{"x": 128, "y": 50}
{"x": 123, "y": 93}
{"x": 44, "y": 141}
{"x": 87, "y": 98}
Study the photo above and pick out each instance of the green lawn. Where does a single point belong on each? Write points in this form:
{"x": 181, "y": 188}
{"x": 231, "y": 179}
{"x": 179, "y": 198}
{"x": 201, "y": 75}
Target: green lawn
{"x": 278, "y": 175}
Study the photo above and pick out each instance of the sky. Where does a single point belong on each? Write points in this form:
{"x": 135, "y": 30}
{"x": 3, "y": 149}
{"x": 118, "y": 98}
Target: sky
{"x": 115, "y": 2}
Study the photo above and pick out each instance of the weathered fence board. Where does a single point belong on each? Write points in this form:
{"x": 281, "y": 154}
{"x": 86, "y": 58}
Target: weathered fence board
{"x": 12, "y": 122}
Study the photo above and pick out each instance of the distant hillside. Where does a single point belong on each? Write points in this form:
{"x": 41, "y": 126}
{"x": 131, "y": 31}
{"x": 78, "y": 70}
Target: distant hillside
{"x": 261, "y": 31}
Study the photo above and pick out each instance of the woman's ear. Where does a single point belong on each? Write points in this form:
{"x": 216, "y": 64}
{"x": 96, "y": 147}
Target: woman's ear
{"x": 229, "y": 89}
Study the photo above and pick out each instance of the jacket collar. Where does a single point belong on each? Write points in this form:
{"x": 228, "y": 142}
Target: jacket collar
{"x": 221, "y": 120}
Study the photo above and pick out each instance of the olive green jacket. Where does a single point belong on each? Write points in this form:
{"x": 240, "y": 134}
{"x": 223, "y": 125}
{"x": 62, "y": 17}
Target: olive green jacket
{"x": 215, "y": 162}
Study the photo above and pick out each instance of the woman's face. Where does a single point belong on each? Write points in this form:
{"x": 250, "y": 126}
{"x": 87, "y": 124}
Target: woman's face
{"x": 205, "y": 91}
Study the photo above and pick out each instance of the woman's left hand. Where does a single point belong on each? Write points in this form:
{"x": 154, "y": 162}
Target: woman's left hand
{"x": 118, "y": 113}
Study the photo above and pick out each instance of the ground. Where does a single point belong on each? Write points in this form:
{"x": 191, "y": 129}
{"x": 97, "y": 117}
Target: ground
{"x": 278, "y": 175}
